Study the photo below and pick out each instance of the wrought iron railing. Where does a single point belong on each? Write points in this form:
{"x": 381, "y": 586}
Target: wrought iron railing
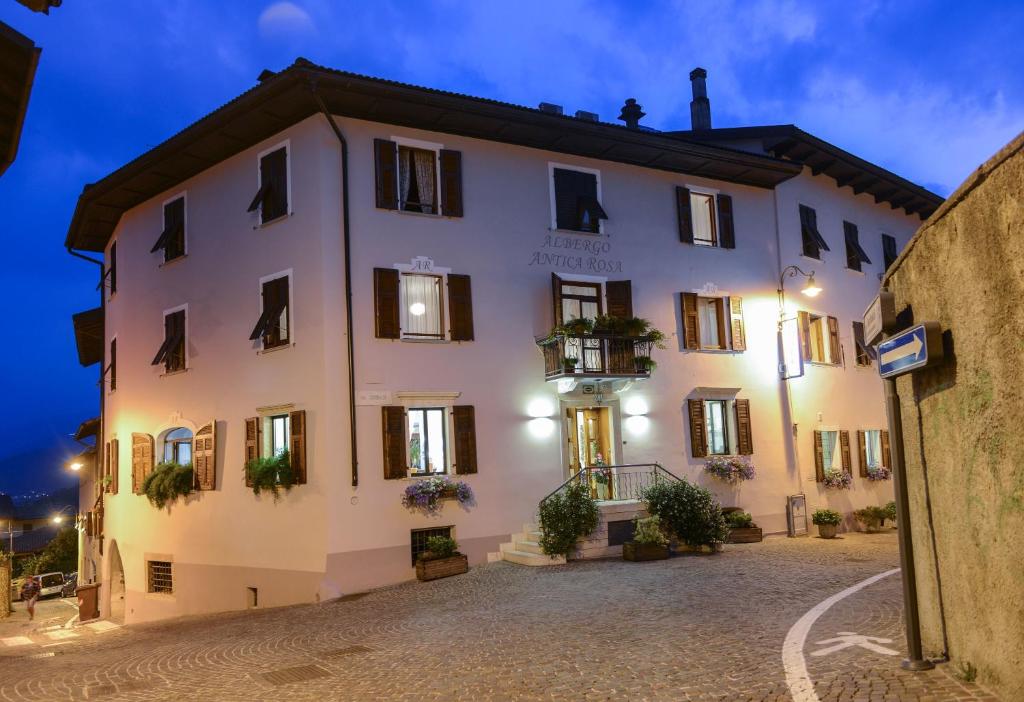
{"x": 617, "y": 483}
{"x": 596, "y": 354}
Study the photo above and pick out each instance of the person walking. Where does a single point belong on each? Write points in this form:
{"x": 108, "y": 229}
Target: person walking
{"x": 30, "y": 595}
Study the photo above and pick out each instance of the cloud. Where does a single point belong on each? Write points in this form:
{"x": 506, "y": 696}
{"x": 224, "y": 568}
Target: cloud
{"x": 285, "y": 19}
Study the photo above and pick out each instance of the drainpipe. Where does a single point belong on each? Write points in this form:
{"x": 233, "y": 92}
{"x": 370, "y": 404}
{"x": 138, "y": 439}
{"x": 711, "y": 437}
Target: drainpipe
{"x": 347, "y": 245}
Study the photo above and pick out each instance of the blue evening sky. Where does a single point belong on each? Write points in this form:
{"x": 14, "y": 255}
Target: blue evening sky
{"x": 928, "y": 90}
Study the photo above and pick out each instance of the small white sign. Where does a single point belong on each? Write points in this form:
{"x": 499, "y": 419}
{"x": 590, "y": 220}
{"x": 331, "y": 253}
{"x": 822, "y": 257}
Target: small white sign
{"x": 375, "y": 398}
{"x": 879, "y": 317}
{"x": 792, "y": 358}
{"x": 422, "y": 263}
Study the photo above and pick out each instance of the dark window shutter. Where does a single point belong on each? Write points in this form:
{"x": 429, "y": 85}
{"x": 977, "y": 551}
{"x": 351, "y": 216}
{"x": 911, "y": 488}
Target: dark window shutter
{"x": 886, "y": 450}
{"x": 297, "y": 435}
{"x": 685, "y": 214}
{"x": 204, "y": 456}
{"x": 889, "y": 253}
{"x": 393, "y": 427}
{"x": 113, "y": 365}
{"x": 576, "y": 195}
{"x": 556, "y": 298}
{"x": 252, "y": 445}
{"x": 720, "y": 322}
{"x": 115, "y": 449}
{"x": 862, "y": 446}
{"x": 819, "y": 458}
{"x": 726, "y": 230}
{"x": 835, "y": 349}
{"x": 464, "y": 419}
{"x": 172, "y": 238}
{"x": 691, "y": 321}
{"x": 142, "y": 460}
{"x": 813, "y": 243}
{"x": 744, "y": 433}
{"x": 386, "y": 303}
{"x": 451, "y": 183}
{"x": 804, "y": 320}
{"x": 112, "y": 270}
{"x": 739, "y": 336}
{"x": 698, "y": 438}
{"x": 274, "y": 179}
{"x": 620, "y": 298}
{"x": 844, "y": 445}
{"x": 385, "y": 157}
{"x": 460, "y": 307}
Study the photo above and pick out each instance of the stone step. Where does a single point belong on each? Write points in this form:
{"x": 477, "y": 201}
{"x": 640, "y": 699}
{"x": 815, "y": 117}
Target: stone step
{"x": 529, "y": 547}
{"x": 531, "y": 559}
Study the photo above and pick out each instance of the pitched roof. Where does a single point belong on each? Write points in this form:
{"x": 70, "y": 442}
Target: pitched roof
{"x": 284, "y": 98}
{"x": 89, "y": 335}
{"x": 18, "y": 60}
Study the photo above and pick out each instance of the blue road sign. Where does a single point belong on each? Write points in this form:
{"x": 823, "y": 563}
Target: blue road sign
{"x": 909, "y": 350}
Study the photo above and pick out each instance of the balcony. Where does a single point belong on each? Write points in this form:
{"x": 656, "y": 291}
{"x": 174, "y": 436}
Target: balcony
{"x": 596, "y": 356}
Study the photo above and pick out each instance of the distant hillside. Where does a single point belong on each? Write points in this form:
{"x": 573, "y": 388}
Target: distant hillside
{"x": 41, "y": 470}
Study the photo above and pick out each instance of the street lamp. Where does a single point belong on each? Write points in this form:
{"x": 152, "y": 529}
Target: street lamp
{"x": 75, "y": 466}
{"x": 59, "y": 517}
{"x": 810, "y": 288}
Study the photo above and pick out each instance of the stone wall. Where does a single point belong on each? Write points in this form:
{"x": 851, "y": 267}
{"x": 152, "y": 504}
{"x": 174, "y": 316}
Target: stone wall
{"x": 595, "y": 544}
{"x": 962, "y": 423}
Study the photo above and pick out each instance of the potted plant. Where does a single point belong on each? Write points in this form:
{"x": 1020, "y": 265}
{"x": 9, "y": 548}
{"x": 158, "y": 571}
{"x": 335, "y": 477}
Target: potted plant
{"x": 167, "y": 482}
{"x": 577, "y": 327}
{"x": 837, "y": 479}
{"x": 645, "y": 364}
{"x": 565, "y": 517}
{"x": 649, "y": 542}
{"x": 569, "y": 364}
{"x": 871, "y": 518}
{"x": 742, "y": 529}
{"x": 441, "y": 559}
{"x": 879, "y": 473}
{"x": 426, "y": 494}
{"x": 270, "y": 474}
{"x": 890, "y": 512}
{"x": 635, "y": 326}
{"x": 690, "y": 513}
{"x": 730, "y": 469}
{"x": 827, "y": 521}
{"x": 608, "y": 325}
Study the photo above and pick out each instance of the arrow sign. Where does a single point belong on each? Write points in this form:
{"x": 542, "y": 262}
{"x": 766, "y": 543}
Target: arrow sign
{"x": 914, "y": 348}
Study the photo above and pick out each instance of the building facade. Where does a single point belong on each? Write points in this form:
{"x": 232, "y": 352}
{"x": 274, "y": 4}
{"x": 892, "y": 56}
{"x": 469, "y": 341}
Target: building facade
{"x": 459, "y": 232}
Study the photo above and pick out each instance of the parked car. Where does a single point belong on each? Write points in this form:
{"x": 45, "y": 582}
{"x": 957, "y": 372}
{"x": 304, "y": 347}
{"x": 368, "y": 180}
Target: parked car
{"x": 50, "y": 584}
{"x": 70, "y": 585}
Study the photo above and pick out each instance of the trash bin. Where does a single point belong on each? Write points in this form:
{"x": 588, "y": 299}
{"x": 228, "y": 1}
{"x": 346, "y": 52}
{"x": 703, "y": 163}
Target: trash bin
{"x": 88, "y": 602}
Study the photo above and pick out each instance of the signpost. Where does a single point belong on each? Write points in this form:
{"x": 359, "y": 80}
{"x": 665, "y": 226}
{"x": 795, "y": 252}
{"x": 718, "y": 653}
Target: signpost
{"x": 909, "y": 350}
{"x": 879, "y": 317}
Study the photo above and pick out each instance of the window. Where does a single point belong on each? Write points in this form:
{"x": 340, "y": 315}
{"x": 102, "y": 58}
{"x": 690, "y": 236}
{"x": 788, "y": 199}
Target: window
{"x": 813, "y": 242}
{"x": 420, "y": 177}
{"x": 271, "y": 434}
{"x": 428, "y": 440}
{"x": 278, "y": 427}
{"x": 819, "y": 338}
{"x": 889, "y": 250}
{"x": 720, "y": 427}
{"x": 417, "y": 180}
{"x": 172, "y": 237}
{"x": 712, "y": 323}
{"x": 178, "y": 446}
{"x": 829, "y": 450}
{"x": 112, "y": 368}
{"x": 855, "y": 255}
{"x": 715, "y": 412}
{"x": 873, "y": 449}
{"x": 577, "y": 201}
{"x": 865, "y": 353}
{"x": 702, "y": 208}
{"x": 273, "y": 195}
{"x": 158, "y": 577}
{"x": 172, "y": 351}
{"x": 422, "y": 310}
{"x": 418, "y": 539}
{"x": 112, "y": 269}
{"x": 273, "y": 325}
{"x": 705, "y": 219}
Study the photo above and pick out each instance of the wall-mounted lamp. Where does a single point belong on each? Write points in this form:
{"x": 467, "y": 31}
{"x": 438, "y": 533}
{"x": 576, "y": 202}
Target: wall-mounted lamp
{"x": 540, "y": 407}
{"x": 636, "y": 406}
{"x": 810, "y": 288}
{"x": 75, "y": 466}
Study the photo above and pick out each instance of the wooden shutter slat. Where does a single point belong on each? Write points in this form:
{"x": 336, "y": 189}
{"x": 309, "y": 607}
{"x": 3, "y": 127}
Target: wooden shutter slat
{"x": 386, "y": 303}
{"x": 739, "y": 337}
{"x": 114, "y": 465}
{"x": 862, "y": 445}
{"x": 464, "y": 420}
{"x": 844, "y": 445}
{"x": 720, "y": 322}
{"x": 142, "y": 459}
{"x": 620, "y": 298}
{"x": 385, "y": 157}
{"x": 691, "y": 321}
{"x": 835, "y": 350}
{"x": 204, "y": 456}
{"x": 106, "y": 467}
{"x": 804, "y": 321}
{"x": 886, "y": 450}
{"x": 460, "y": 307}
{"x": 556, "y": 298}
{"x": 297, "y": 448}
{"x": 393, "y": 429}
{"x": 274, "y": 184}
{"x": 698, "y": 438}
{"x": 726, "y": 230}
{"x": 819, "y": 458}
{"x": 451, "y": 183}
{"x": 252, "y": 446}
{"x": 744, "y": 431}
{"x": 685, "y": 214}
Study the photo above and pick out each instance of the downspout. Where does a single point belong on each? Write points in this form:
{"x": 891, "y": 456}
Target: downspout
{"x": 347, "y": 247}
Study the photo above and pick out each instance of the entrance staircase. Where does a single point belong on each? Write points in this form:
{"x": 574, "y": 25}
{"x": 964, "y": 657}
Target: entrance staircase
{"x": 524, "y": 549}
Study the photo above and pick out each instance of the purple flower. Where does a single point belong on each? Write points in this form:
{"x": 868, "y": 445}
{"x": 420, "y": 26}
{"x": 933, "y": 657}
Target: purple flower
{"x": 837, "y": 480}
{"x": 730, "y": 469}
{"x": 426, "y": 494}
{"x": 879, "y": 473}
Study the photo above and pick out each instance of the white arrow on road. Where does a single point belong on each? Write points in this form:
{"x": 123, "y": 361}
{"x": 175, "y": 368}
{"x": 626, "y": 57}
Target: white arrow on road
{"x": 911, "y": 349}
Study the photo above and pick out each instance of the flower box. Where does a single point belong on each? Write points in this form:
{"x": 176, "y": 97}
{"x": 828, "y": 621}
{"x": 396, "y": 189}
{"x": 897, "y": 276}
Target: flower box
{"x": 644, "y": 552}
{"x": 744, "y": 535}
{"x": 827, "y": 531}
{"x": 434, "y": 568}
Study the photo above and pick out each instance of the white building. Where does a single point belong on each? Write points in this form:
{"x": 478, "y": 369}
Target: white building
{"x": 360, "y": 271}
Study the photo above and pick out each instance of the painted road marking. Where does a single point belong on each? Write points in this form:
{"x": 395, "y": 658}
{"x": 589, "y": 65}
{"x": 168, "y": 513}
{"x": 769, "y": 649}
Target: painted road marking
{"x": 61, "y": 634}
{"x": 101, "y": 626}
{"x": 16, "y": 641}
{"x": 848, "y": 639}
{"x": 797, "y": 678}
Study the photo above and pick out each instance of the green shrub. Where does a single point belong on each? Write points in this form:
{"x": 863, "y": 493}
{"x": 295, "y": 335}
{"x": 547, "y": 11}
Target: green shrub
{"x": 648, "y": 531}
{"x": 890, "y": 511}
{"x": 168, "y": 482}
{"x": 270, "y": 474}
{"x": 826, "y": 517}
{"x": 688, "y": 511}
{"x": 440, "y": 547}
{"x": 565, "y": 517}
{"x": 739, "y": 520}
{"x": 870, "y": 516}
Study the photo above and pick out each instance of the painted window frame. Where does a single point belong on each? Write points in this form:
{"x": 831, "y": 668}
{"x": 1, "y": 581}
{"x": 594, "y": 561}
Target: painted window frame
{"x": 184, "y": 226}
{"x": 184, "y": 340}
{"x": 437, "y": 271}
{"x": 289, "y": 309}
{"x": 552, "y": 200}
{"x": 289, "y": 209}
{"x": 712, "y": 194}
{"x": 837, "y": 449}
{"x": 446, "y": 418}
{"x": 422, "y": 146}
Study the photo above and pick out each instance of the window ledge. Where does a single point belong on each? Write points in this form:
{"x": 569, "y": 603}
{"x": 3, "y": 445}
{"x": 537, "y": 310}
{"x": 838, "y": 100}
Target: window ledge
{"x": 272, "y": 349}
{"x": 165, "y": 596}
{"x": 855, "y": 271}
{"x": 412, "y": 477}
{"x": 822, "y": 364}
{"x": 556, "y": 230}
{"x": 283, "y": 217}
{"x": 811, "y": 258}
{"x": 713, "y": 351}
{"x": 165, "y": 264}
{"x": 431, "y": 215}
{"x": 416, "y": 340}
{"x": 177, "y": 372}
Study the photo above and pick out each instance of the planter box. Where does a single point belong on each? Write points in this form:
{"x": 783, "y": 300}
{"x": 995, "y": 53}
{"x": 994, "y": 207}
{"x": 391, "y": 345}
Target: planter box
{"x": 441, "y": 567}
{"x": 643, "y": 552}
{"x": 744, "y": 535}
{"x": 827, "y": 531}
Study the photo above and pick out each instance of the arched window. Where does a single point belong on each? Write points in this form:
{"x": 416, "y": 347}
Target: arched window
{"x": 178, "y": 446}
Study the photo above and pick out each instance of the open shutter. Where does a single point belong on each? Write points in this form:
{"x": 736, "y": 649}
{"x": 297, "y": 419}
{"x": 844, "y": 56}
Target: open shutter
{"x": 886, "y": 455}
{"x": 451, "y": 183}
{"x": 744, "y": 434}
{"x": 464, "y": 419}
{"x": 142, "y": 460}
{"x": 804, "y": 320}
{"x": 835, "y": 350}
{"x": 698, "y": 437}
{"x": 204, "y": 456}
{"x": 274, "y": 177}
{"x": 739, "y": 337}
{"x": 862, "y": 448}
{"x": 619, "y": 294}
{"x": 726, "y": 232}
{"x": 252, "y": 445}
{"x": 460, "y": 307}
{"x": 385, "y": 157}
{"x": 691, "y": 321}
{"x": 297, "y": 449}
{"x": 685, "y": 215}
{"x": 819, "y": 458}
{"x": 393, "y": 428}
{"x": 844, "y": 445}
{"x": 114, "y": 465}
{"x": 106, "y": 466}
{"x": 720, "y": 322}
{"x": 385, "y": 303}
{"x": 556, "y": 298}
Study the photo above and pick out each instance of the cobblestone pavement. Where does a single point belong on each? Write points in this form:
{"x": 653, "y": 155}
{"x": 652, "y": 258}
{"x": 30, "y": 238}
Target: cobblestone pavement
{"x": 691, "y": 628}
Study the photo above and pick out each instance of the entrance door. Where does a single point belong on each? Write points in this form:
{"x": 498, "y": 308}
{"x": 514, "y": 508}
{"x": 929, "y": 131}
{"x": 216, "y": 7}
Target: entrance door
{"x": 589, "y": 433}
{"x": 117, "y": 588}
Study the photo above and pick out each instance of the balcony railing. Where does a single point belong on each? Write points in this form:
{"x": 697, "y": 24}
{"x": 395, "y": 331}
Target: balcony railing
{"x": 596, "y": 356}
{"x": 618, "y": 483}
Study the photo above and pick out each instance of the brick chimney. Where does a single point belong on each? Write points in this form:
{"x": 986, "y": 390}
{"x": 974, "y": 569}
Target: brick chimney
{"x": 700, "y": 106}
